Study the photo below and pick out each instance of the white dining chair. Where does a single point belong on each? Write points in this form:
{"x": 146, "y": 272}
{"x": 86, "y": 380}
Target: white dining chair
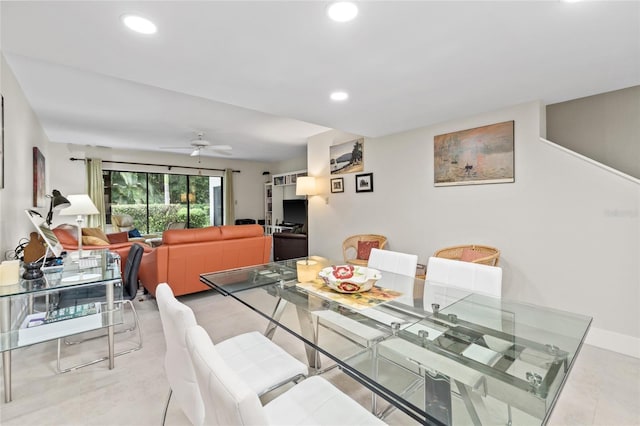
{"x": 474, "y": 277}
{"x": 259, "y": 362}
{"x": 229, "y": 400}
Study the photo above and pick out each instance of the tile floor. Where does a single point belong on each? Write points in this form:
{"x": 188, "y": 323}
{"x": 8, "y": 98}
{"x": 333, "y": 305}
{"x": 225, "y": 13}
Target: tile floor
{"x": 604, "y": 387}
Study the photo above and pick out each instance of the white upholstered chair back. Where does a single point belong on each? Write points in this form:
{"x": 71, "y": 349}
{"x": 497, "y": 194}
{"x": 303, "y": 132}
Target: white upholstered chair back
{"x": 474, "y": 277}
{"x": 398, "y": 263}
{"x": 393, "y": 261}
{"x": 176, "y": 319}
{"x": 227, "y": 399}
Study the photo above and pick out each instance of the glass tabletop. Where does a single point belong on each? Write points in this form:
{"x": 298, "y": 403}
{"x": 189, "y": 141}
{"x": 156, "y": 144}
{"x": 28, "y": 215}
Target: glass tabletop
{"x": 417, "y": 343}
{"x": 95, "y": 266}
{"x": 67, "y": 299}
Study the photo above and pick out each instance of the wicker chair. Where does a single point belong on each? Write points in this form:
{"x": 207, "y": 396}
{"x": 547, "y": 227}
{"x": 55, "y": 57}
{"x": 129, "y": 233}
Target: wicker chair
{"x": 471, "y": 253}
{"x": 350, "y": 247}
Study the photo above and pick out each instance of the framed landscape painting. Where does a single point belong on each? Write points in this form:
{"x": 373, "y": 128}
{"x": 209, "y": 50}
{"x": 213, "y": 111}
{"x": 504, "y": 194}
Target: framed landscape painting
{"x": 347, "y": 157}
{"x": 475, "y": 156}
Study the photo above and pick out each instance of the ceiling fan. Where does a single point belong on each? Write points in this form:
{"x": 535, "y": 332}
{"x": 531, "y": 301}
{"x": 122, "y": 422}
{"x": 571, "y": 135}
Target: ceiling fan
{"x": 197, "y": 145}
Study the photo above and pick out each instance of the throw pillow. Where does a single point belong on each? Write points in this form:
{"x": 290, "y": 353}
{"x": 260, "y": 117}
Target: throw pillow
{"x": 134, "y": 233}
{"x": 93, "y": 241}
{"x": 95, "y": 232}
{"x": 364, "y": 249}
{"x": 469, "y": 254}
{"x": 118, "y": 237}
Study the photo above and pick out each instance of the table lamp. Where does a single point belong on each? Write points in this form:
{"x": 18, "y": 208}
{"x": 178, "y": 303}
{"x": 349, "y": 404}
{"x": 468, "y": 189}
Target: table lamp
{"x": 81, "y": 205}
{"x": 58, "y": 202}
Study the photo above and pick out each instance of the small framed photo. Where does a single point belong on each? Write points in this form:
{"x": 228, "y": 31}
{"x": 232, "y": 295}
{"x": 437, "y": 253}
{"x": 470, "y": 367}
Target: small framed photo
{"x": 337, "y": 185}
{"x": 364, "y": 182}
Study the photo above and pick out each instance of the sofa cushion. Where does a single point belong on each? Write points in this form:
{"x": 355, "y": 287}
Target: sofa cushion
{"x": 188, "y": 236}
{"x": 95, "y": 232}
{"x": 364, "y": 249}
{"x": 118, "y": 237}
{"x": 66, "y": 236}
{"x": 93, "y": 241}
{"x": 232, "y": 232}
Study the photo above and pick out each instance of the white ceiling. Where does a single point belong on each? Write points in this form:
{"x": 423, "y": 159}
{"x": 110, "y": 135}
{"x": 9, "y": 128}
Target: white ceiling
{"x": 257, "y": 75}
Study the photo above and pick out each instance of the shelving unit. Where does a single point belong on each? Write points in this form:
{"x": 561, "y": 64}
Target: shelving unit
{"x": 281, "y": 187}
{"x": 287, "y": 178}
{"x": 268, "y": 204}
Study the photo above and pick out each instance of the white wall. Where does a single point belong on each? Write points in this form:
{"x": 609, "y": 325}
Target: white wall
{"x": 605, "y": 127}
{"x": 22, "y": 131}
{"x": 568, "y": 231}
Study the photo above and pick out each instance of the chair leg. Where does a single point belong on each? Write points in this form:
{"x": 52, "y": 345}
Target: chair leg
{"x": 136, "y": 325}
{"x": 166, "y": 407}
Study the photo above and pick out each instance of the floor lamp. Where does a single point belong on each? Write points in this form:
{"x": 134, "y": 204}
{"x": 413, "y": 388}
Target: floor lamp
{"x": 81, "y": 205}
{"x": 306, "y": 185}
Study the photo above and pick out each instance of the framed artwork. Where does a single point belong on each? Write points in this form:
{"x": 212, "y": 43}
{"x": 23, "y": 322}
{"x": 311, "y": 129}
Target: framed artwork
{"x": 39, "y": 194}
{"x": 364, "y": 182}
{"x": 475, "y": 156}
{"x": 347, "y": 157}
{"x": 337, "y": 185}
{"x": 1, "y": 141}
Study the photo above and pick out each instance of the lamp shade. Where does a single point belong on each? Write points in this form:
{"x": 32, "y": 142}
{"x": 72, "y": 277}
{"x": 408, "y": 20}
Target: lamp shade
{"x": 58, "y": 201}
{"x": 306, "y": 185}
{"x": 81, "y": 204}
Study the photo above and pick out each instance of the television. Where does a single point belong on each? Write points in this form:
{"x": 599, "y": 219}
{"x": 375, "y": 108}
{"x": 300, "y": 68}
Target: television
{"x": 294, "y": 212}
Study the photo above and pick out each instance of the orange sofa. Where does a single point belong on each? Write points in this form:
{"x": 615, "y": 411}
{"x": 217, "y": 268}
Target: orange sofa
{"x": 118, "y": 242}
{"x": 187, "y": 253}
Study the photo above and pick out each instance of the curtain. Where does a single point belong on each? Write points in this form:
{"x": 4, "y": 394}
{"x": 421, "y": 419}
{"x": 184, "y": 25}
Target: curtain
{"x": 95, "y": 189}
{"x": 229, "y": 199}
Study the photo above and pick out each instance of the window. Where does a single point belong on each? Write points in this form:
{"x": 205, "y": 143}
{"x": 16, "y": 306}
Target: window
{"x": 154, "y": 200}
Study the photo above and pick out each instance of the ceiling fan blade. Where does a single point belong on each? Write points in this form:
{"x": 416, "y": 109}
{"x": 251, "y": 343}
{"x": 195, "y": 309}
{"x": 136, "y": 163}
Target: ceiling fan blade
{"x": 221, "y": 147}
{"x": 195, "y": 152}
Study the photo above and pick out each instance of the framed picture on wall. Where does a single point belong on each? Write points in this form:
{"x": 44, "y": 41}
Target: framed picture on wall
{"x": 364, "y": 182}
{"x": 474, "y": 156}
{"x": 337, "y": 185}
{"x": 347, "y": 157}
{"x": 39, "y": 187}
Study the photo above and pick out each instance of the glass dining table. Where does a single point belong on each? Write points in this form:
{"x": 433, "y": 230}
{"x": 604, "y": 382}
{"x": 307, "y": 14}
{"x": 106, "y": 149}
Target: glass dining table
{"x": 440, "y": 354}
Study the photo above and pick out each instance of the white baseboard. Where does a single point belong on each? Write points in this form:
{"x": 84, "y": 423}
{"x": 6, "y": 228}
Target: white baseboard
{"x": 613, "y": 341}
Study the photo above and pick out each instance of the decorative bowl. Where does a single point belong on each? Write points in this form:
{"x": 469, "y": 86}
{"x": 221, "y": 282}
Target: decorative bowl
{"x": 349, "y": 278}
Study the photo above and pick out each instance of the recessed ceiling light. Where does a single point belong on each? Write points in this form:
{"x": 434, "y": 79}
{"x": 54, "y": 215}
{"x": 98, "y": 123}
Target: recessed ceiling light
{"x": 339, "y": 96}
{"x": 342, "y": 11}
{"x": 139, "y": 24}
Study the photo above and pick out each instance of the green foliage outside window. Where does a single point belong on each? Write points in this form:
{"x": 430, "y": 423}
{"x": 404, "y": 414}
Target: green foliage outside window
{"x": 160, "y": 215}
{"x": 167, "y": 195}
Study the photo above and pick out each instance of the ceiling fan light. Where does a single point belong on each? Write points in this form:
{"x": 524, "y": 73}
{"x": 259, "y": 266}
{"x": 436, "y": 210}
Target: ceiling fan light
{"x": 195, "y": 152}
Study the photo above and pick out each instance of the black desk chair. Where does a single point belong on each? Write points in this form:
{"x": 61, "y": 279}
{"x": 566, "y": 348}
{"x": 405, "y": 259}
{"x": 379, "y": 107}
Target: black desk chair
{"x": 91, "y": 294}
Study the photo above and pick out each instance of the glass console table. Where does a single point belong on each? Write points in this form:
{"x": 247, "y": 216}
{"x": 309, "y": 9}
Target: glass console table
{"x": 30, "y": 313}
{"x": 441, "y": 355}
